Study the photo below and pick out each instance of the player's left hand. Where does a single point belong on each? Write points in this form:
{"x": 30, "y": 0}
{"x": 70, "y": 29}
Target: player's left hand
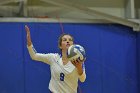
{"x": 77, "y": 63}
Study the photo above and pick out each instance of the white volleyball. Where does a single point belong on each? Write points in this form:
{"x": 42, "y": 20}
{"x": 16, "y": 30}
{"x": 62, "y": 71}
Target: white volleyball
{"x": 76, "y": 52}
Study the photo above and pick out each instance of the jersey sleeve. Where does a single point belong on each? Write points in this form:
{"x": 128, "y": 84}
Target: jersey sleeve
{"x": 82, "y": 77}
{"x": 46, "y": 58}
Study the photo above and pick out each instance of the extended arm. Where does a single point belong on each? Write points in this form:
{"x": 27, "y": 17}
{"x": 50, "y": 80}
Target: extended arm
{"x": 34, "y": 55}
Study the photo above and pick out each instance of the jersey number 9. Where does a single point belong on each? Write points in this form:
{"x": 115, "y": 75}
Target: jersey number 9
{"x": 62, "y": 75}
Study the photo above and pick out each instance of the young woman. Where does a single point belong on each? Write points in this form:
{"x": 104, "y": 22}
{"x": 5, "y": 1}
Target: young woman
{"x": 64, "y": 74}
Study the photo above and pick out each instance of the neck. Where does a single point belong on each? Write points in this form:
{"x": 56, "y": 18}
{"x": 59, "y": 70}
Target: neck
{"x": 64, "y": 57}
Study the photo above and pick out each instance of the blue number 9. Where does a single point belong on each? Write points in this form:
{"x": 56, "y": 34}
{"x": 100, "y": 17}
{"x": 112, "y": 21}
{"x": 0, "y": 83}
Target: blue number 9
{"x": 62, "y": 75}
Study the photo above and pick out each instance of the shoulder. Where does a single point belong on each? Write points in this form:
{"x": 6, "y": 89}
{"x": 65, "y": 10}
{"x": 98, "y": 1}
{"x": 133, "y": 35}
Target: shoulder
{"x": 55, "y": 56}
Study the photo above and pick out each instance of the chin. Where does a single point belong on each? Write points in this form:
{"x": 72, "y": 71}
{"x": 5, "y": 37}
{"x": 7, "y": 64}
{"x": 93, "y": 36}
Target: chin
{"x": 67, "y": 47}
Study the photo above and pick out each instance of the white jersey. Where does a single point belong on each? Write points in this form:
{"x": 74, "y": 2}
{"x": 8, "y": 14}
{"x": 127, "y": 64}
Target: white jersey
{"x": 64, "y": 78}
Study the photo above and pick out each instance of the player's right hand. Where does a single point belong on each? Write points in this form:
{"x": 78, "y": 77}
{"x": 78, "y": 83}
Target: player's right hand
{"x": 28, "y": 35}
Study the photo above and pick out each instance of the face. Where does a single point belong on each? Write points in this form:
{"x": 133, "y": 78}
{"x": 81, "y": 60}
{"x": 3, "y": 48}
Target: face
{"x": 66, "y": 42}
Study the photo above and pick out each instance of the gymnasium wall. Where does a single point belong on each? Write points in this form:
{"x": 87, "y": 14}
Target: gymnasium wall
{"x": 111, "y": 64}
{"x": 138, "y": 58}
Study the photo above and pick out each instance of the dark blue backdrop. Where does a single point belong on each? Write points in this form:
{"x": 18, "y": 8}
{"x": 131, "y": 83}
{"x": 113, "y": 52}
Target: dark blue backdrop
{"x": 112, "y": 65}
{"x": 138, "y": 58}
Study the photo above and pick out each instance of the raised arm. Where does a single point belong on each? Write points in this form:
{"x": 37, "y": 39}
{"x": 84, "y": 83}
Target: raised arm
{"x": 34, "y": 55}
{"x": 28, "y": 36}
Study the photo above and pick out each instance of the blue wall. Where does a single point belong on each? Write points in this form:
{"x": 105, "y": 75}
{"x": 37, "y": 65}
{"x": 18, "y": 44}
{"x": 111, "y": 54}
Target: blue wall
{"x": 138, "y": 58}
{"x": 111, "y": 63}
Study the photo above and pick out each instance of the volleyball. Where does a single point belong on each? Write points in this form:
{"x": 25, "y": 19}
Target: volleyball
{"x": 76, "y": 52}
